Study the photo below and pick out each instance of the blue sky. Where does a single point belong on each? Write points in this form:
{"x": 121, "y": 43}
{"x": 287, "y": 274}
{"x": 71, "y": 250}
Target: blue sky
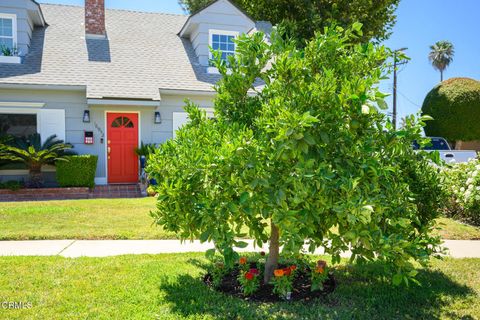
{"x": 420, "y": 23}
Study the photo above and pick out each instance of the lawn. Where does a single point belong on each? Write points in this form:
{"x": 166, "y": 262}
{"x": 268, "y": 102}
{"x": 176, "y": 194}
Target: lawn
{"x": 116, "y": 219}
{"x": 80, "y": 219}
{"x": 169, "y": 287}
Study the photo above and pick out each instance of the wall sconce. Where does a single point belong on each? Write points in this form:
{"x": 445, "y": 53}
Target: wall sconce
{"x": 86, "y": 116}
{"x": 158, "y": 118}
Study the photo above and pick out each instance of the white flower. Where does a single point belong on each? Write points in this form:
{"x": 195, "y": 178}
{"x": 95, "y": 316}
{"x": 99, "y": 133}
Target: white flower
{"x": 470, "y": 187}
{"x": 365, "y": 109}
{"x": 462, "y": 189}
{"x": 469, "y": 181}
{"x": 477, "y": 197}
{"x": 474, "y": 173}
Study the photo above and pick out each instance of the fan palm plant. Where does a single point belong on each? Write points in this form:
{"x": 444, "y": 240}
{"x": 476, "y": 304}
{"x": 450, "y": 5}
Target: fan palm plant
{"x": 31, "y": 152}
{"x": 441, "y": 55}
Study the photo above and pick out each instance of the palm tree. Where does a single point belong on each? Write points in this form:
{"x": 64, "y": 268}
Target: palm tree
{"x": 31, "y": 152}
{"x": 441, "y": 55}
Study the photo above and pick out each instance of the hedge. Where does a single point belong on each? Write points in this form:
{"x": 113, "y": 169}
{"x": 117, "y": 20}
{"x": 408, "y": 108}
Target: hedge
{"x": 454, "y": 105}
{"x": 78, "y": 171}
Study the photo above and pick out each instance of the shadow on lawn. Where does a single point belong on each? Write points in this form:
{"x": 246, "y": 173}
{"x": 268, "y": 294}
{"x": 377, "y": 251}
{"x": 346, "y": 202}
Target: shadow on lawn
{"x": 362, "y": 293}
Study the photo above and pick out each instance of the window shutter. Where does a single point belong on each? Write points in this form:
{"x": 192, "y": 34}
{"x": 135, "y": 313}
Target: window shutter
{"x": 51, "y": 121}
{"x": 179, "y": 119}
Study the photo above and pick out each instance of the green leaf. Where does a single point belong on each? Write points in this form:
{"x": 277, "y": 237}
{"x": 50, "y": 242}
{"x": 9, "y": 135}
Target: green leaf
{"x": 241, "y": 244}
{"x": 397, "y": 279}
{"x": 204, "y": 236}
{"x": 210, "y": 254}
{"x": 244, "y": 197}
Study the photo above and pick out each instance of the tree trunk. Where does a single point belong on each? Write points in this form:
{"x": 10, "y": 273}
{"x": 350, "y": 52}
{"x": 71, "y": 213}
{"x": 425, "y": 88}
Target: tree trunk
{"x": 36, "y": 179}
{"x": 441, "y": 75}
{"x": 273, "y": 254}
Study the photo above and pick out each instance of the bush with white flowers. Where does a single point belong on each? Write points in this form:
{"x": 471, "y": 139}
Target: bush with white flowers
{"x": 462, "y": 184}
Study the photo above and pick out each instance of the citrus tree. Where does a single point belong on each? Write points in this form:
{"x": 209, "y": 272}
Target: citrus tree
{"x": 300, "y": 157}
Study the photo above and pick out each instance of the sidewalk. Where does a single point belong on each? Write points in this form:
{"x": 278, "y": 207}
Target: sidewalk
{"x": 105, "y": 248}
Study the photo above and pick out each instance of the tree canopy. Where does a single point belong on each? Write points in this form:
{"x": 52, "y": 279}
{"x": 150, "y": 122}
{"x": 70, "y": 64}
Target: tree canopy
{"x": 454, "y": 105}
{"x": 303, "y": 18}
{"x": 304, "y": 154}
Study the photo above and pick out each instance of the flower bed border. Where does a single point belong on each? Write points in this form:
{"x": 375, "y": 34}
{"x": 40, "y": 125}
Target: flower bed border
{"x": 31, "y": 194}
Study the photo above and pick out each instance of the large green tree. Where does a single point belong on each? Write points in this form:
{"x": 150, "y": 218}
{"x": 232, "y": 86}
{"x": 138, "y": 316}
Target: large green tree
{"x": 306, "y": 160}
{"x": 304, "y": 17}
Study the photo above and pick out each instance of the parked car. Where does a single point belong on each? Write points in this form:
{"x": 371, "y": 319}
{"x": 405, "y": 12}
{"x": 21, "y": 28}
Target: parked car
{"x": 446, "y": 153}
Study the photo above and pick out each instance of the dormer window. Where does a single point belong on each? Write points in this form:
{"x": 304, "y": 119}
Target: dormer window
{"x": 222, "y": 40}
{"x": 8, "y": 33}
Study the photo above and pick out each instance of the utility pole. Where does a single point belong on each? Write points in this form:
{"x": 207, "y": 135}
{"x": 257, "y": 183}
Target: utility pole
{"x": 395, "y": 65}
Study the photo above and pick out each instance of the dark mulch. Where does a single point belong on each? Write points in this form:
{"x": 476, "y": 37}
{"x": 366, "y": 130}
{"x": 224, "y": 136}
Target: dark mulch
{"x": 301, "y": 287}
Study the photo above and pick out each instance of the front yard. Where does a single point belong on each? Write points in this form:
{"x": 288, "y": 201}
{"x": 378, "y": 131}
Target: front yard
{"x": 169, "y": 287}
{"x": 117, "y": 219}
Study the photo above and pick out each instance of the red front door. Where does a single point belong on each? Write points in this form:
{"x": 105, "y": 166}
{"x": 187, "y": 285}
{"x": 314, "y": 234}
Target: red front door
{"x": 122, "y": 135}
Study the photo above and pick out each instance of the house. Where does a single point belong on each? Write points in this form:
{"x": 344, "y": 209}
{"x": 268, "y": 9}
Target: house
{"x": 107, "y": 80}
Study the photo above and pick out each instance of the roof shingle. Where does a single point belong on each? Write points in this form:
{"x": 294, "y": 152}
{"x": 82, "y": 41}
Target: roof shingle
{"x": 143, "y": 54}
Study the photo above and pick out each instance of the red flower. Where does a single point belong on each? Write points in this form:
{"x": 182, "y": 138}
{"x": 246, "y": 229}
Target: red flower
{"x": 249, "y": 276}
{"x": 243, "y": 260}
{"x": 253, "y": 271}
{"x": 278, "y": 272}
{"x": 287, "y": 271}
{"x": 293, "y": 268}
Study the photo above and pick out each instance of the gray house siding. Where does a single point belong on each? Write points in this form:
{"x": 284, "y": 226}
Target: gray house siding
{"x": 74, "y": 103}
{"x": 24, "y": 21}
{"x": 218, "y": 16}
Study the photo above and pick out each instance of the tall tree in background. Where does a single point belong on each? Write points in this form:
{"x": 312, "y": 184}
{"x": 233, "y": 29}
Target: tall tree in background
{"x": 304, "y": 17}
{"x": 441, "y": 55}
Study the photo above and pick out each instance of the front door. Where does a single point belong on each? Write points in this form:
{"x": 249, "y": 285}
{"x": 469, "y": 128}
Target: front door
{"x": 122, "y": 139}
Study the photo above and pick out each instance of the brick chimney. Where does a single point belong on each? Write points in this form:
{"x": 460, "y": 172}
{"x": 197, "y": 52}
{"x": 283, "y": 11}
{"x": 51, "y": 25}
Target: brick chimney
{"x": 95, "y": 18}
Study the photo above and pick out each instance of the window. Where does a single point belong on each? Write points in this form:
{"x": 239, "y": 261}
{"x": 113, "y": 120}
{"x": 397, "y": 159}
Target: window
{"x": 18, "y": 125}
{"x": 8, "y": 31}
{"x": 122, "y": 122}
{"x": 223, "y": 41}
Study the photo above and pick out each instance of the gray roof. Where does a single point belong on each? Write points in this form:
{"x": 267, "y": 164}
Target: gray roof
{"x": 143, "y": 54}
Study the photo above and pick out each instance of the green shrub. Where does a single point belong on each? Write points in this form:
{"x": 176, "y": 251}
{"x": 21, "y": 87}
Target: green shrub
{"x": 462, "y": 185}
{"x": 78, "y": 171}
{"x": 455, "y": 107}
{"x": 11, "y": 185}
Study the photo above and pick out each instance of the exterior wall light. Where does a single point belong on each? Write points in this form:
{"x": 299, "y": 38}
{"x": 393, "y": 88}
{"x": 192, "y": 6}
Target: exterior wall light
{"x": 158, "y": 118}
{"x": 86, "y": 116}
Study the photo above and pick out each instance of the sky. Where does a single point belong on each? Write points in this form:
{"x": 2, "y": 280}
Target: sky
{"x": 420, "y": 23}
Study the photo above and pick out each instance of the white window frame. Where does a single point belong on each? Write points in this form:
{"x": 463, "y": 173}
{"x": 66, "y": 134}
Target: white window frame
{"x": 212, "y": 32}
{"x": 12, "y": 17}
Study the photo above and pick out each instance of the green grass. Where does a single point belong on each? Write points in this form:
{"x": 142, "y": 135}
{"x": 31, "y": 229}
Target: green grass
{"x": 454, "y": 230}
{"x": 80, "y": 219}
{"x": 116, "y": 219}
{"x": 169, "y": 287}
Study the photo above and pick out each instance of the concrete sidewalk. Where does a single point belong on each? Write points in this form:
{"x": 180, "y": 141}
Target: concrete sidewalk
{"x": 105, "y": 248}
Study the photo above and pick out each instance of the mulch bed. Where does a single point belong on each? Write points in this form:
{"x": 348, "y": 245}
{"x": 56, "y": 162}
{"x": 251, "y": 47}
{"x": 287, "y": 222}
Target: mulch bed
{"x": 301, "y": 287}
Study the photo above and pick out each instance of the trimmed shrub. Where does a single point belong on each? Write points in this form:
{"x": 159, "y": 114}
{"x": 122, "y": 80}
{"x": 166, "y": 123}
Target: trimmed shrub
{"x": 454, "y": 105}
{"x": 77, "y": 171}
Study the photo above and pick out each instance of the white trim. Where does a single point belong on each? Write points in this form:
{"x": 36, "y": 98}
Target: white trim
{"x": 31, "y": 86}
{"x": 10, "y": 59}
{"x": 113, "y": 102}
{"x": 17, "y": 104}
{"x": 12, "y": 17}
{"x": 106, "y": 135}
{"x": 211, "y": 32}
{"x": 187, "y": 92}
{"x": 101, "y": 181}
{"x": 188, "y": 22}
